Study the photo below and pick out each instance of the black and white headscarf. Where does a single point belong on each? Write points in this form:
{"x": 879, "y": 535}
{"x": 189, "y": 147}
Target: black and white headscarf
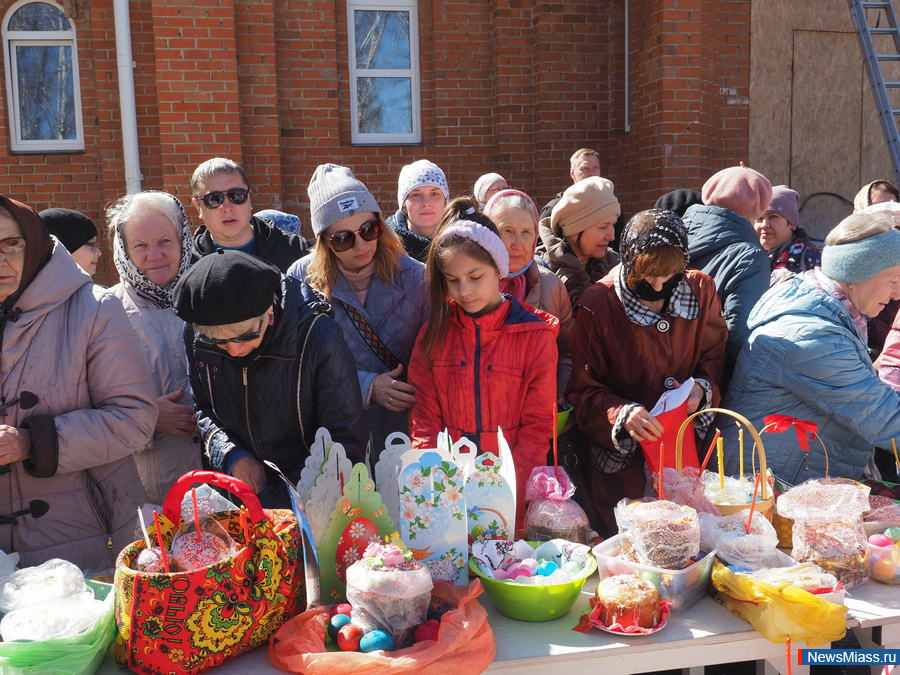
{"x": 129, "y": 273}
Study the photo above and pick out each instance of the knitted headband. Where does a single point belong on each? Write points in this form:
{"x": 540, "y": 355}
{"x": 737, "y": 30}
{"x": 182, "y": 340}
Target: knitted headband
{"x": 482, "y": 236}
{"x": 492, "y": 204}
{"x": 859, "y": 260}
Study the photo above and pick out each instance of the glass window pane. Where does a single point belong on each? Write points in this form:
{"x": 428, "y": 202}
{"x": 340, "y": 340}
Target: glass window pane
{"x": 46, "y": 93}
{"x": 385, "y": 105}
{"x": 382, "y": 39}
{"x": 37, "y": 16}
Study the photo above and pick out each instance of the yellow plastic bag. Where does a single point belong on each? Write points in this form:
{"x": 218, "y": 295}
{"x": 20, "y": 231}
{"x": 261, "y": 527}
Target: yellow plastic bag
{"x": 779, "y": 612}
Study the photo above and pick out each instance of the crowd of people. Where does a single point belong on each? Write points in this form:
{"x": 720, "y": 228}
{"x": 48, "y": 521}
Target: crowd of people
{"x": 229, "y": 347}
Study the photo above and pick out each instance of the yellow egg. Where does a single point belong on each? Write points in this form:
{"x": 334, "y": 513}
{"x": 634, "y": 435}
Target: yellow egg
{"x": 883, "y": 570}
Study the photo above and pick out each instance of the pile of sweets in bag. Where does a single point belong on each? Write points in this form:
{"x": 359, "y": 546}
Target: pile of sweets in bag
{"x": 552, "y": 513}
{"x": 46, "y": 602}
{"x": 658, "y": 533}
{"x": 388, "y": 603}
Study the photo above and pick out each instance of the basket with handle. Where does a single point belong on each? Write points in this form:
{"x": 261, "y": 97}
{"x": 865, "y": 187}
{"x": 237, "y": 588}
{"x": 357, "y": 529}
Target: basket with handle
{"x": 784, "y": 527}
{"x": 767, "y": 498}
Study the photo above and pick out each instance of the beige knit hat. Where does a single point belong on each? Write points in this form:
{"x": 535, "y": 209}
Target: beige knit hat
{"x": 586, "y": 202}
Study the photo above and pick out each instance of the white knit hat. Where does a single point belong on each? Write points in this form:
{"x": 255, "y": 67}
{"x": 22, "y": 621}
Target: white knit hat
{"x": 483, "y": 184}
{"x": 419, "y": 173}
{"x": 335, "y": 193}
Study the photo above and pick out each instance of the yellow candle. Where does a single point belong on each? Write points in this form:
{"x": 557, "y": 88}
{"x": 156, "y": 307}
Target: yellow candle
{"x": 896, "y": 458}
{"x": 721, "y": 455}
{"x": 741, "y": 446}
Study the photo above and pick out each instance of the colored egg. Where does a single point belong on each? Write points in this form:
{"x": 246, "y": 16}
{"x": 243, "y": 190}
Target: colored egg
{"x": 375, "y": 641}
{"x": 893, "y": 533}
{"x": 500, "y": 575}
{"x": 547, "y": 568}
{"x": 530, "y": 564}
{"x": 356, "y": 536}
{"x": 880, "y": 540}
{"x": 348, "y": 637}
{"x": 883, "y": 570}
{"x": 335, "y": 623}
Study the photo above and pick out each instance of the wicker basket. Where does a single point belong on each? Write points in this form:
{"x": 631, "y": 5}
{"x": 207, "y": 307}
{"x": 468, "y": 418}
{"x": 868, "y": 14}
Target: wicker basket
{"x": 784, "y": 527}
{"x": 767, "y": 498}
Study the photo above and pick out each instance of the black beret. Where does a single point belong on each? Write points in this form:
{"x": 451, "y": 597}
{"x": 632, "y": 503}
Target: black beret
{"x": 678, "y": 201}
{"x": 226, "y": 287}
{"x": 72, "y": 228}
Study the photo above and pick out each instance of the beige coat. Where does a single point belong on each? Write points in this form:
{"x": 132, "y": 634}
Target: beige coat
{"x": 74, "y": 348}
{"x": 166, "y": 458}
{"x": 544, "y": 290}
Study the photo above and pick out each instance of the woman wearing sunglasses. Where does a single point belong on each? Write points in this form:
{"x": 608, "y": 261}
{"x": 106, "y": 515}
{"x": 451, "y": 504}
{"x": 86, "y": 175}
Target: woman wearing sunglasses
{"x": 152, "y": 250}
{"x": 378, "y": 293}
{"x": 268, "y": 368}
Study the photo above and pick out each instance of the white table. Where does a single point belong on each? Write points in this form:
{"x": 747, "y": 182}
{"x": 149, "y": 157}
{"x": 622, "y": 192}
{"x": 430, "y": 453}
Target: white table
{"x": 705, "y": 634}
{"x": 876, "y": 607}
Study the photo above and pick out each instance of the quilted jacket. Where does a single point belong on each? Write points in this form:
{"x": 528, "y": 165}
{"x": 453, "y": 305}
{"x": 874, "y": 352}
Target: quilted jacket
{"x": 271, "y": 402}
{"x": 498, "y": 370}
{"x": 273, "y": 245}
{"x": 395, "y": 312}
{"x": 725, "y": 246}
{"x": 73, "y": 347}
{"x": 805, "y": 359}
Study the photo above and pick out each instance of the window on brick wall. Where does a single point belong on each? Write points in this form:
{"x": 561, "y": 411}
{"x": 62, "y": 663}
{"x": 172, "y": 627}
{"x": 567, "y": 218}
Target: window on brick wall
{"x": 384, "y": 71}
{"x": 42, "y": 79}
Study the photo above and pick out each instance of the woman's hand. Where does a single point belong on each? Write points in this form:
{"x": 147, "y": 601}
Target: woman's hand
{"x": 15, "y": 444}
{"x": 392, "y": 393}
{"x": 249, "y": 470}
{"x": 642, "y": 426}
{"x": 174, "y": 418}
{"x": 695, "y": 398}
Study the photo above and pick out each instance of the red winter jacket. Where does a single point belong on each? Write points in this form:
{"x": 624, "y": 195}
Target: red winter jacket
{"x": 495, "y": 371}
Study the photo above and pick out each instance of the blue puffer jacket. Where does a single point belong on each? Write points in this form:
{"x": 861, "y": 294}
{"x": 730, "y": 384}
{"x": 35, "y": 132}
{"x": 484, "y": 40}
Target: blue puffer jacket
{"x": 805, "y": 359}
{"x": 725, "y": 246}
{"x": 395, "y": 312}
{"x": 271, "y": 402}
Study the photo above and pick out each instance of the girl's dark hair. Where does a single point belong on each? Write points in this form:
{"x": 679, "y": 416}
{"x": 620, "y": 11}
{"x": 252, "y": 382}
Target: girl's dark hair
{"x": 461, "y": 208}
{"x": 884, "y": 186}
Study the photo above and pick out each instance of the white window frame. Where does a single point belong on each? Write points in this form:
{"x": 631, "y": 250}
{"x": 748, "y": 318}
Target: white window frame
{"x": 357, "y": 137}
{"x": 50, "y": 38}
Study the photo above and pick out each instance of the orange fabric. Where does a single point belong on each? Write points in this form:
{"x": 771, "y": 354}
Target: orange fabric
{"x": 504, "y": 361}
{"x": 465, "y": 643}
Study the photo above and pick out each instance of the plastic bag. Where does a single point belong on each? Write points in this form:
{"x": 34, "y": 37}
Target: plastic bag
{"x": 728, "y": 536}
{"x": 208, "y": 501}
{"x": 59, "y": 619}
{"x": 55, "y": 579}
{"x": 687, "y": 488}
{"x": 388, "y": 596}
{"x": 828, "y": 526}
{"x": 190, "y": 552}
{"x": 779, "y": 612}
{"x": 465, "y": 643}
{"x": 79, "y": 655}
{"x": 659, "y": 534}
{"x": 552, "y": 514}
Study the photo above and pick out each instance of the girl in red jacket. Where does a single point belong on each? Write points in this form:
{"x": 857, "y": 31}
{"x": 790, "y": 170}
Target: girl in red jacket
{"x": 484, "y": 360}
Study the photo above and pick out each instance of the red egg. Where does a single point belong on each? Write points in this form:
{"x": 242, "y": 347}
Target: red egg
{"x": 427, "y": 631}
{"x": 880, "y": 540}
{"x": 352, "y": 543}
{"x": 348, "y": 637}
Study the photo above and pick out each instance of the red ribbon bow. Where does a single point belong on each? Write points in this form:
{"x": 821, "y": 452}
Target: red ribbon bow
{"x": 805, "y": 429}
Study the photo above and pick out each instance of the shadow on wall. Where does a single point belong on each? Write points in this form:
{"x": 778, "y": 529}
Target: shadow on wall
{"x": 820, "y": 212}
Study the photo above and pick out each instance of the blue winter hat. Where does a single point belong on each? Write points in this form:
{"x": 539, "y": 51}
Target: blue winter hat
{"x": 862, "y": 259}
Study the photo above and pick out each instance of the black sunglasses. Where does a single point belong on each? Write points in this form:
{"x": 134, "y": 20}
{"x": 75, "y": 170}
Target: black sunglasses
{"x": 343, "y": 241}
{"x": 245, "y": 337}
{"x": 214, "y": 200}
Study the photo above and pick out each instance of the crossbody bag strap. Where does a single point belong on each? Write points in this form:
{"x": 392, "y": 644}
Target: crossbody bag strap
{"x": 370, "y": 337}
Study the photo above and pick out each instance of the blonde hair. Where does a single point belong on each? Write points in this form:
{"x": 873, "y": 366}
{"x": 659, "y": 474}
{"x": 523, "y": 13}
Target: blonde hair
{"x": 322, "y": 272}
{"x": 240, "y": 327}
{"x": 583, "y": 152}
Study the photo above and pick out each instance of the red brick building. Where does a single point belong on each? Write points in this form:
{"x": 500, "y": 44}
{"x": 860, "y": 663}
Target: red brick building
{"x": 513, "y": 86}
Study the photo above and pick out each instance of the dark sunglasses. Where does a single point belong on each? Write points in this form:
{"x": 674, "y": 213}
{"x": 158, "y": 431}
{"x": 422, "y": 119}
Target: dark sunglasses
{"x": 245, "y": 337}
{"x": 343, "y": 241}
{"x": 214, "y": 200}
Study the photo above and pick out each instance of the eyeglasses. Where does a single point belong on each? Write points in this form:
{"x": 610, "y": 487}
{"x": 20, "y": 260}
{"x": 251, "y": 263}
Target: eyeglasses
{"x": 343, "y": 241}
{"x": 237, "y": 196}
{"x": 245, "y": 337}
{"x": 12, "y": 246}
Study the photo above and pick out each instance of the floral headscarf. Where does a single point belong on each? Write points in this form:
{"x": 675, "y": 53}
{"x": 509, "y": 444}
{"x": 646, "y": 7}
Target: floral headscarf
{"x": 132, "y": 276}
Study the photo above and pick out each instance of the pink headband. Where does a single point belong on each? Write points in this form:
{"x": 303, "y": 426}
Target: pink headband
{"x": 482, "y": 236}
{"x": 492, "y": 203}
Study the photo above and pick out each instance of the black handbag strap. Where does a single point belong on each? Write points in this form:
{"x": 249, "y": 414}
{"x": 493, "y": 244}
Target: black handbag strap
{"x": 370, "y": 337}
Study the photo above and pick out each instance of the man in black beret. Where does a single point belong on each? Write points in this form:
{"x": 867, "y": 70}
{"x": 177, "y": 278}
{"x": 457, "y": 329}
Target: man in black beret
{"x": 268, "y": 367}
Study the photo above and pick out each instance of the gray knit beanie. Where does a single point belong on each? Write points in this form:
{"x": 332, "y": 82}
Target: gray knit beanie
{"x": 335, "y": 193}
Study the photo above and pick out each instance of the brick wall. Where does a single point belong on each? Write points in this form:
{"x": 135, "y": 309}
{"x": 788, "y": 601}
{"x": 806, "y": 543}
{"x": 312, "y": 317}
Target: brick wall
{"x": 513, "y": 86}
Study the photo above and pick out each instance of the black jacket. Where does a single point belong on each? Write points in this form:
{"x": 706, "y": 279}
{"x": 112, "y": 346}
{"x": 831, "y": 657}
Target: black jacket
{"x": 272, "y": 401}
{"x": 273, "y": 245}
{"x": 416, "y": 246}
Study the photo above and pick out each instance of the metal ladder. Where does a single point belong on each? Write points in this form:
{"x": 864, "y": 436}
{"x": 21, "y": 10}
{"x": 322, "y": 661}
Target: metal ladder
{"x": 864, "y": 15}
